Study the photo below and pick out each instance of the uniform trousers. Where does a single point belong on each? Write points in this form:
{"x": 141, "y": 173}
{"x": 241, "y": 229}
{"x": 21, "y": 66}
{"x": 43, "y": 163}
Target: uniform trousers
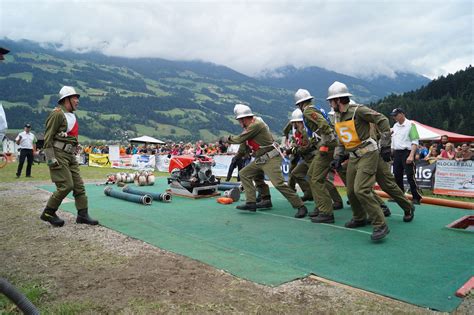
{"x": 67, "y": 178}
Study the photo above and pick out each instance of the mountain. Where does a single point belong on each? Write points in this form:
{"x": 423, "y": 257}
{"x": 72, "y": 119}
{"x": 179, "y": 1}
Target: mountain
{"x": 124, "y": 97}
{"x": 446, "y": 103}
{"x": 317, "y": 80}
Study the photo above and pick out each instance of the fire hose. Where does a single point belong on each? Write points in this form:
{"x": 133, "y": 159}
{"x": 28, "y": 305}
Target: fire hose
{"x": 17, "y": 298}
{"x": 228, "y": 186}
{"x": 146, "y": 199}
{"x": 163, "y": 197}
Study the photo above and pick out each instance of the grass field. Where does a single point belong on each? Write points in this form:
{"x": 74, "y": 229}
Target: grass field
{"x": 40, "y": 172}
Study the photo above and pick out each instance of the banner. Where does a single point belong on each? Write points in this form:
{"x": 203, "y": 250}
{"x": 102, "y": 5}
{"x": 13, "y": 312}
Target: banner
{"x": 124, "y": 161}
{"x": 162, "y": 163}
{"x": 114, "y": 153}
{"x": 222, "y": 165}
{"x": 423, "y": 175}
{"x": 99, "y": 160}
{"x": 142, "y": 162}
{"x": 455, "y": 178}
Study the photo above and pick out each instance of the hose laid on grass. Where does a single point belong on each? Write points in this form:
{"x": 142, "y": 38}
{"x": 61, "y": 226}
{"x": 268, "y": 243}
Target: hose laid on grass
{"x": 17, "y": 298}
{"x": 163, "y": 197}
{"x": 436, "y": 201}
{"x": 146, "y": 199}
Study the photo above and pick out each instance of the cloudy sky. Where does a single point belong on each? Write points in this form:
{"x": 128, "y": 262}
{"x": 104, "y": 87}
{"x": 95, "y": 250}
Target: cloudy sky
{"x": 360, "y": 38}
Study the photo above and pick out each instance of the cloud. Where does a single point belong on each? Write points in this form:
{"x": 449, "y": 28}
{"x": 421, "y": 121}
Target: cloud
{"x": 363, "y": 38}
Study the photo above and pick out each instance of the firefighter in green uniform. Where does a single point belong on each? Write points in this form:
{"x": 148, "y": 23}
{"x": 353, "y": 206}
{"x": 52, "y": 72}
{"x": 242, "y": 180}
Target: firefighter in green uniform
{"x": 295, "y": 158}
{"x": 323, "y": 140}
{"x": 304, "y": 148}
{"x": 352, "y": 123}
{"x": 60, "y": 146}
{"x": 387, "y": 183}
{"x": 268, "y": 160}
{"x": 264, "y": 200}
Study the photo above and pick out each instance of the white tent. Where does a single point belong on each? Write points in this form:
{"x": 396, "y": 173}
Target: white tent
{"x": 146, "y": 139}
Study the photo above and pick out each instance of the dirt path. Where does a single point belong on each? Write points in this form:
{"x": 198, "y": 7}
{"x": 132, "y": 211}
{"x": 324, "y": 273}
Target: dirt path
{"x": 83, "y": 269}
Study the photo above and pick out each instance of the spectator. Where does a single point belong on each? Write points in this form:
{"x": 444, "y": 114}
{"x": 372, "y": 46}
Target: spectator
{"x": 404, "y": 146}
{"x": 442, "y": 144}
{"x": 423, "y": 151}
{"x": 432, "y": 154}
{"x": 465, "y": 154}
{"x": 27, "y": 142}
{"x": 448, "y": 153}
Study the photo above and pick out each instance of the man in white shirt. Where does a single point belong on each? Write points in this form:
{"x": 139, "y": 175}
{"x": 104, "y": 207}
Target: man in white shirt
{"x": 404, "y": 146}
{"x": 27, "y": 142}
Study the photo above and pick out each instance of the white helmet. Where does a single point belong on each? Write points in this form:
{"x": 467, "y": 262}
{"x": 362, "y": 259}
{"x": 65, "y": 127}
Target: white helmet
{"x": 338, "y": 89}
{"x": 67, "y": 91}
{"x": 302, "y": 95}
{"x": 297, "y": 115}
{"x": 241, "y": 111}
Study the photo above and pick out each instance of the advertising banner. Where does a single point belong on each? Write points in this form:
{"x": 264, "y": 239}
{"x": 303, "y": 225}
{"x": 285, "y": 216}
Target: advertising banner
{"x": 124, "y": 161}
{"x": 99, "y": 160}
{"x": 143, "y": 162}
{"x": 423, "y": 175}
{"x": 162, "y": 163}
{"x": 455, "y": 178}
{"x": 222, "y": 165}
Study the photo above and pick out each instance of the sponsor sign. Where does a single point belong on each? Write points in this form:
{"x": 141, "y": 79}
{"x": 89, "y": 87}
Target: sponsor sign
{"x": 455, "y": 178}
{"x": 143, "y": 162}
{"x": 99, "y": 160}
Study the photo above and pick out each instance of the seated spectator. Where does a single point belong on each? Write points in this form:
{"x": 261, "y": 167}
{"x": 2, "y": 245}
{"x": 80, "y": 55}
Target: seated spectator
{"x": 432, "y": 154}
{"x": 423, "y": 151}
{"x": 465, "y": 154}
{"x": 449, "y": 153}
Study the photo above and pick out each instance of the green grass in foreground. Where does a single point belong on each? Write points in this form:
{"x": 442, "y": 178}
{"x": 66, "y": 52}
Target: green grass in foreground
{"x": 40, "y": 172}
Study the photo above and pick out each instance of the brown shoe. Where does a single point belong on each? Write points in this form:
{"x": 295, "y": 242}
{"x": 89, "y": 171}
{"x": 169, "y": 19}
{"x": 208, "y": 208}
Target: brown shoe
{"x": 323, "y": 218}
{"x": 249, "y": 206}
{"x": 355, "y": 223}
{"x": 315, "y": 212}
{"x": 302, "y": 212}
{"x": 380, "y": 232}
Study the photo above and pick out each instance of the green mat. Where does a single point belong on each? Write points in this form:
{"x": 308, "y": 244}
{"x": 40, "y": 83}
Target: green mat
{"x": 421, "y": 262}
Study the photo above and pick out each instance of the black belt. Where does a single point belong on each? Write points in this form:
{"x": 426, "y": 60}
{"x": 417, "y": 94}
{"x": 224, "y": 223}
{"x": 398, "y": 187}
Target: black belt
{"x": 26, "y": 149}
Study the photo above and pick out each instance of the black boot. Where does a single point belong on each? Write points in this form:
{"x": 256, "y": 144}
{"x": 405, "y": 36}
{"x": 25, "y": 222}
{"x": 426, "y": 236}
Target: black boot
{"x": 337, "y": 206}
{"x": 49, "y": 215}
{"x": 84, "y": 218}
{"x": 315, "y": 212}
{"x": 409, "y": 215}
{"x": 380, "y": 232}
{"x": 264, "y": 204}
{"x": 249, "y": 206}
{"x": 385, "y": 210}
{"x": 323, "y": 218}
{"x": 302, "y": 212}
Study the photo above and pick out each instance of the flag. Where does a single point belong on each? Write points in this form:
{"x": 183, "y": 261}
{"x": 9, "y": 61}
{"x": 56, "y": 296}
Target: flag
{"x": 413, "y": 133}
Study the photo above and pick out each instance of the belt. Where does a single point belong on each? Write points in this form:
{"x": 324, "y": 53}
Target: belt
{"x": 66, "y": 147}
{"x": 267, "y": 156}
{"x": 371, "y": 146}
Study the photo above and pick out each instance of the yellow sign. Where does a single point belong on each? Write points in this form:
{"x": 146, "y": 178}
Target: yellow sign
{"x": 99, "y": 160}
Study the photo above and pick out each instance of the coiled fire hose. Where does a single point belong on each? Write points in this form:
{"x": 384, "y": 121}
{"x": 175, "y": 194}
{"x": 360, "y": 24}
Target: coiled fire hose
{"x": 146, "y": 199}
{"x": 163, "y": 197}
{"x": 17, "y": 298}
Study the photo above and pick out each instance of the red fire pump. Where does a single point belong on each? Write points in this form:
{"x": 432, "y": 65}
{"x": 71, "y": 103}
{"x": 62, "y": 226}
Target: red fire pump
{"x": 192, "y": 176}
